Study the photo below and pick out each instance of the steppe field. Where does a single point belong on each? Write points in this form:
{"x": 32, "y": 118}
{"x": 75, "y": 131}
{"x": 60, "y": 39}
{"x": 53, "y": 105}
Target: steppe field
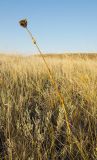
{"x": 48, "y": 115}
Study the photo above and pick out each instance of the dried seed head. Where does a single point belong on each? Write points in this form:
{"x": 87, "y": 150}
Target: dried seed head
{"x": 23, "y": 23}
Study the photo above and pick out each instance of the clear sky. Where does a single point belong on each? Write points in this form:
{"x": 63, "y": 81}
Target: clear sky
{"x": 58, "y": 25}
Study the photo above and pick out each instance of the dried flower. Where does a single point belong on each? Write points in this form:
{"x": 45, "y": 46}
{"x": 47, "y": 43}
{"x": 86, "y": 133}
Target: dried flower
{"x": 23, "y": 23}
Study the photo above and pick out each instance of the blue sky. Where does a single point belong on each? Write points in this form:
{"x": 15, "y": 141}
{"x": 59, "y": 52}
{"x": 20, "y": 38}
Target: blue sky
{"x": 58, "y": 25}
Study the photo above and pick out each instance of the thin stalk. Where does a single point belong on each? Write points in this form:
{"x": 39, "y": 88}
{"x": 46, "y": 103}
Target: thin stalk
{"x": 53, "y": 82}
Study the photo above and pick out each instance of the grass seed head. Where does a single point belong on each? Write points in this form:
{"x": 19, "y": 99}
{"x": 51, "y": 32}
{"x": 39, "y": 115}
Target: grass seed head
{"x": 23, "y": 23}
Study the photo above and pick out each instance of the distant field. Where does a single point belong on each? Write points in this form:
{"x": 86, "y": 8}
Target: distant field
{"x": 33, "y": 124}
{"x": 73, "y": 55}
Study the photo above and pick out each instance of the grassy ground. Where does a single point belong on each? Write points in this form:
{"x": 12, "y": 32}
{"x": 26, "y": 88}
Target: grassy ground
{"x": 33, "y": 124}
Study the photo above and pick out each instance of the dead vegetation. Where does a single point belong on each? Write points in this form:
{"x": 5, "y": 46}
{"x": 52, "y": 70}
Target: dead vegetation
{"x": 32, "y": 121}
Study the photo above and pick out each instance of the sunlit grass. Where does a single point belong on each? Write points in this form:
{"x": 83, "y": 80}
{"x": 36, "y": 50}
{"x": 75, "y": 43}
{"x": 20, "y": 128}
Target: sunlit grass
{"x": 32, "y": 121}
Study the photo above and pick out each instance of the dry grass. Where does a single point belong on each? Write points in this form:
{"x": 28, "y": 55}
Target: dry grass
{"x": 32, "y": 121}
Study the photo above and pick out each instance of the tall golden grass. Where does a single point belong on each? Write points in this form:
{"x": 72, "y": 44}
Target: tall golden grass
{"x": 32, "y": 121}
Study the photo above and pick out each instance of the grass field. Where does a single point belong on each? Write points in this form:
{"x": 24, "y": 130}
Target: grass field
{"x": 33, "y": 124}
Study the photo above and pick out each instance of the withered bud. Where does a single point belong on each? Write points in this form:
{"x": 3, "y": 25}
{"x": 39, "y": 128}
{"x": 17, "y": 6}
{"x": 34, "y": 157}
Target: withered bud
{"x": 23, "y": 23}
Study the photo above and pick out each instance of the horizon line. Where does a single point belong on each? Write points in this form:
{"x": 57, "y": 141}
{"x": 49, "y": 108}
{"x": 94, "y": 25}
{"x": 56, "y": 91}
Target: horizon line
{"x": 36, "y": 53}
